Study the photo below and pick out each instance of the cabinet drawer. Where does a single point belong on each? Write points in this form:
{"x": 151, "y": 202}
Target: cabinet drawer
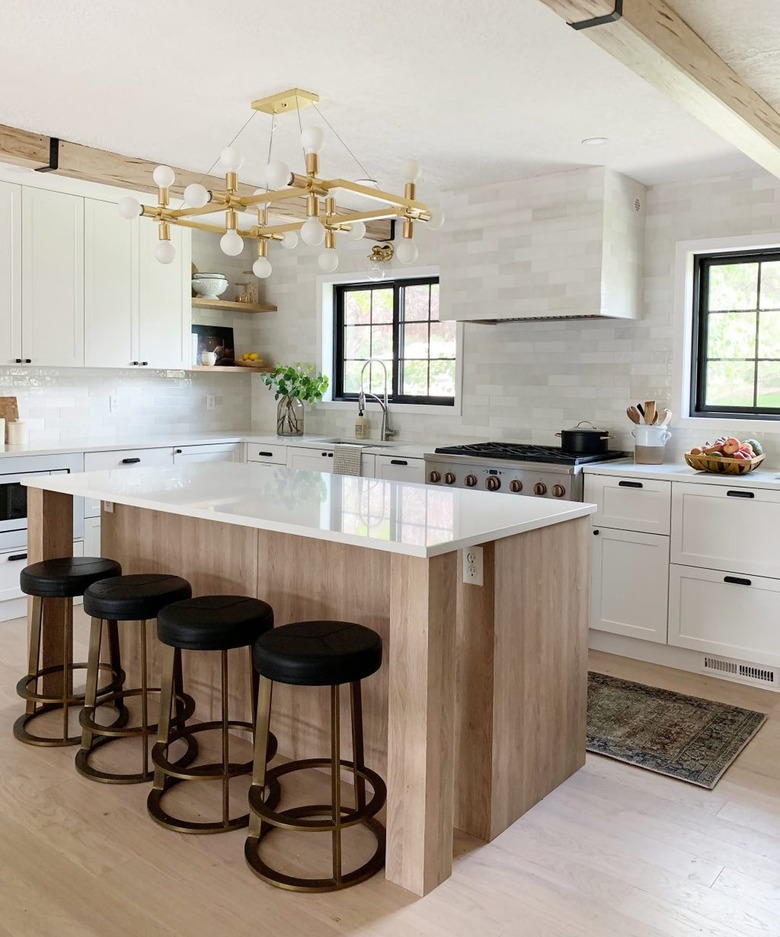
{"x": 124, "y": 459}
{"x": 725, "y": 613}
{"x": 399, "y": 468}
{"x": 629, "y": 583}
{"x": 12, "y": 563}
{"x": 630, "y": 503}
{"x": 211, "y": 452}
{"x": 726, "y": 528}
{"x": 256, "y": 452}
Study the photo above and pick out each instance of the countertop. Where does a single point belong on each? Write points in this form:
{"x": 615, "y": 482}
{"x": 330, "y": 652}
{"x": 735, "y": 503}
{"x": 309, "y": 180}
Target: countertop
{"x": 680, "y": 472}
{"x": 396, "y": 517}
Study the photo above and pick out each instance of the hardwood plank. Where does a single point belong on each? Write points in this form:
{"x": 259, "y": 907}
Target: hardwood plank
{"x": 420, "y": 796}
{"x": 658, "y": 45}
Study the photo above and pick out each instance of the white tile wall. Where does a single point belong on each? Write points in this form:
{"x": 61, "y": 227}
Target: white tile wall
{"x": 526, "y": 380}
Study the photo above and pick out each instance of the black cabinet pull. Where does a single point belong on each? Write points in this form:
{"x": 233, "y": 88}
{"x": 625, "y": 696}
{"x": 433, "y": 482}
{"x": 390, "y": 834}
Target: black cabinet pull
{"x": 267, "y": 455}
{"x": 28, "y": 360}
{"x": 330, "y": 455}
{"x": 737, "y": 580}
{"x": 741, "y": 494}
{"x": 398, "y": 462}
{"x": 17, "y": 556}
{"x": 144, "y": 363}
{"x": 130, "y": 461}
{"x": 630, "y": 485}
{"x": 135, "y": 363}
{"x": 178, "y": 451}
{"x": 596, "y": 533}
{"x": 18, "y": 360}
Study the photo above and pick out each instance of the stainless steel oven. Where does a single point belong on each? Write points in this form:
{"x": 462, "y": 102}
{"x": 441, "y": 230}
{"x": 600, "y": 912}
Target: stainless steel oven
{"x": 13, "y": 494}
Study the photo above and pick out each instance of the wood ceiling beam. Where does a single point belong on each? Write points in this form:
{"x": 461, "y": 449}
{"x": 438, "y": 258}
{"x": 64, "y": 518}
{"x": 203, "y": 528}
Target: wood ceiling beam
{"x": 32, "y": 150}
{"x": 655, "y": 43}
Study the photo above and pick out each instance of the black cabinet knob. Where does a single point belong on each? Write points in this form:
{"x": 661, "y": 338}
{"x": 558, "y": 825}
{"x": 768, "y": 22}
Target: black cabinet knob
{"x": 28, "y": 360}
{"x": 18, "y": 360}
{"x": 144, "y": 363}
{"x": 596, "y": 533}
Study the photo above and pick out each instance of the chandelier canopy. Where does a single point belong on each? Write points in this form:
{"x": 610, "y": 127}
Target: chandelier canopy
{"x": 323, "y": 221}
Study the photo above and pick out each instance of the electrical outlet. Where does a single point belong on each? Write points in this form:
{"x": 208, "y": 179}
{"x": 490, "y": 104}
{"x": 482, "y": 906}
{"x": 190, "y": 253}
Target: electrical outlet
{"x": 473, "y": 571}
{"x": 108, "y": 507}
{"x": 211, "y": 402}
{"x": 113, "y": 403}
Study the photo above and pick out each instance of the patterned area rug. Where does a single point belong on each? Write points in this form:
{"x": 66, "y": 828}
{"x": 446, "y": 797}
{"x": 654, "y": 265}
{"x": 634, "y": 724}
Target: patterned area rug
{"x": 684, "y": 737}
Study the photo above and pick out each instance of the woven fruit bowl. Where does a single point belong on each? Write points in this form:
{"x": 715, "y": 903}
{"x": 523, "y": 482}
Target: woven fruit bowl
{"x": 249, "y": 364}
{"x": 722, "y": 465}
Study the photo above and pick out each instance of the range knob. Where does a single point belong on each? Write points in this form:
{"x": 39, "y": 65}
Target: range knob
{"x": 540, "y": 488}
{"x": 449, "y": 478}
{"x": 515, "y": 486}
{"x": 558, "y": 491}
{"x": 492, "y": 483}
{"x": 434, "y": 476}
{"x": 471, "y": 481}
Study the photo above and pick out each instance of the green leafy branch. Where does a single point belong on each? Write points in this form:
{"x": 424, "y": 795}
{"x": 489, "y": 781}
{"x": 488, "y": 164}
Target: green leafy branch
{"x": 297, "y": 381}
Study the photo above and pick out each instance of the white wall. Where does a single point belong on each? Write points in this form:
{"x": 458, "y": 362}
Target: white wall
{"x": 526, "y": 380}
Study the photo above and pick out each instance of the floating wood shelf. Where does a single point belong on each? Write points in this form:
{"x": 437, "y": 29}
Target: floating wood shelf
{"x": 236, "y": 369}
{"x": 229, "y": 306}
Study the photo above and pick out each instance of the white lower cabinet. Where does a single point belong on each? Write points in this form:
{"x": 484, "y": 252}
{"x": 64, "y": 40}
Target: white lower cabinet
{"x": 311, "y": 460}
{"x": 629, "y": 583}
{"x": 13, "y": 602}
{"x": 262, "y": 452}
{"x": 210, "y": 452}
{"x": 725, "y": 613}
{"x": 397, "y": 468}
{"x": 92, "y": 535}
{"x": 122, "y": 459}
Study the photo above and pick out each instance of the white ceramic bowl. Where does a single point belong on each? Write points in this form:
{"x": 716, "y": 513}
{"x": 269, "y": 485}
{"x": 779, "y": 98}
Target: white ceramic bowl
{"x": 210, "y": 287}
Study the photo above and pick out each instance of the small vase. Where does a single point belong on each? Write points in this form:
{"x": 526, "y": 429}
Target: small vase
{"x": 289, "y": 417}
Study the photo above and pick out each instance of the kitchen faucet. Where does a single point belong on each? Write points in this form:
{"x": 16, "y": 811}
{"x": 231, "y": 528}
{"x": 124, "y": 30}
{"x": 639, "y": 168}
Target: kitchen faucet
{"x": 386, "y": 431}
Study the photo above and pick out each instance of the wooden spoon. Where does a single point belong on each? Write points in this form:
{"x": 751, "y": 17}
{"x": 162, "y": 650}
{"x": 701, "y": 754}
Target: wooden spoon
{"x": 650, "y": 411}
{"x": 641, "y": 410}
{"x": 666, "y": 417}
{"x": 633, "y": 415}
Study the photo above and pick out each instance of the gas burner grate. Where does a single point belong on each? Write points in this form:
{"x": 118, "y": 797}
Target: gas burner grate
{"x": 523, "y": 452}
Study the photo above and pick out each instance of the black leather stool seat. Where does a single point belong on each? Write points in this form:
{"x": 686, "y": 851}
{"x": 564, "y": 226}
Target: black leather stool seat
{"x": 66, "y": 576}
{"x": 214, "y": 622}
{"x": 134, "y": 598}
{"x": 318, "y": 653}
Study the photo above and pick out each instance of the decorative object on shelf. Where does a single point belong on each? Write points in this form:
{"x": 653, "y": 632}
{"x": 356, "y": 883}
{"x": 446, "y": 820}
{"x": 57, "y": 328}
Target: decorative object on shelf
{"x": 250, "y": 359}
{"x": 248, "y": 292}
{"x": 292, "y": 385}
{"x": 217, "y": 339}
{"x": 323, "y": 221}
{"x": 210, "y": 285}
{"x": 380, "y": 255}
{"x": 208, "y": 358}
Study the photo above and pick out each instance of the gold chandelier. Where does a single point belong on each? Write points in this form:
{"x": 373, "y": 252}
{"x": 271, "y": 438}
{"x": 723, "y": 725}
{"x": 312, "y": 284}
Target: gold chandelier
{"x": 323, "y": 223}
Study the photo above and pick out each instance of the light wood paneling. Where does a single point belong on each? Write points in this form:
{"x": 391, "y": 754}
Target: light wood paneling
{"x": 540, "y": 672}
{"x": 421, "y": 722}
{"x": 656, "y": 43}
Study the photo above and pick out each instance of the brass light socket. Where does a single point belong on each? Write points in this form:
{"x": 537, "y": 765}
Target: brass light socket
{"x": 312, "y": 205}
{"x": 163, "y": 198}
{"x": 230, "y": 220}
{"x": 231, "y": 181}
{"x": 330, "y": 239}
{"x": 408, "y": 231}
{"x": 262, "y": 247}
{"x": 312, "y": 163}
{"x": 164, "y": 231}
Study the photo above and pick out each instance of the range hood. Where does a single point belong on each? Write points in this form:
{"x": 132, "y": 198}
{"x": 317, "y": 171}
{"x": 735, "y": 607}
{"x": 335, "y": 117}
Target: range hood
{"x": 561, "y": 246}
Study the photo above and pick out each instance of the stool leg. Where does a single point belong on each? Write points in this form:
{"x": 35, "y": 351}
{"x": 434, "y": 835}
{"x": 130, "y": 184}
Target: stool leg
{"x": 144, "y": 703}
{"x": 262, "y": 726}
{"x": 93, "y": 666}
{"x": 166, "y": 693}
{"x": 358, "y": 756}
{"x": 335, "y": 768}
{"x": 225, "y": 743}
{"x": 178, "y": 685}
{"x": 67, "y": 661}
{"x": 36, "y": 620}
{"x": 115, "y": 655}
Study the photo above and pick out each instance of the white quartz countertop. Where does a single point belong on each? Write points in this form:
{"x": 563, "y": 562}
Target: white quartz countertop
{"x": 150, "y": 441}
{"x": 397, "y": 517}
{"x": 680, "y": 472}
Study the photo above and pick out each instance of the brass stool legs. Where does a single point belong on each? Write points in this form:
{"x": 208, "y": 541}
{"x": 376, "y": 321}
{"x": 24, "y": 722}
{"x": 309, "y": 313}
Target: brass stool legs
{"x": 167, "y": 774}
{"x": 333, "y": 817}
{"x": 49, "y": 688}
{"x": 94, "y": 735}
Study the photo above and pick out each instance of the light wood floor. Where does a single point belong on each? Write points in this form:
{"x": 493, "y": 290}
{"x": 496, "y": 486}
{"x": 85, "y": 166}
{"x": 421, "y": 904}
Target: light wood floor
{"x": 614, "y": 852}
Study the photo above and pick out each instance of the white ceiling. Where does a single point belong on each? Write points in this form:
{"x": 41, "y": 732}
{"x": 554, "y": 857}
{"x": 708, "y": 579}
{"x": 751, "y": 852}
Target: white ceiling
{"x": 479, "y": 92}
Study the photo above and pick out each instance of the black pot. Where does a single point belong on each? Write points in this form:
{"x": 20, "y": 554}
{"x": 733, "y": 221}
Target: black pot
{"x": 587, "y": 440}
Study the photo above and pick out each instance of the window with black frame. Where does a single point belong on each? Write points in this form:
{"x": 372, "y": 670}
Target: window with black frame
{"x": 396, "y": 322}
{"x": 736, "y": 361}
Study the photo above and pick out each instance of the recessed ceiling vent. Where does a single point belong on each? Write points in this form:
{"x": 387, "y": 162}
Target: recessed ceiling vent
{"x": 742, "y": 672}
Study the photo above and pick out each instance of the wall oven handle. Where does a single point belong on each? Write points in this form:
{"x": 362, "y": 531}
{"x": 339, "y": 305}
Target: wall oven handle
{"x": 130, "y": 461}
{"x": 16, "y": 556}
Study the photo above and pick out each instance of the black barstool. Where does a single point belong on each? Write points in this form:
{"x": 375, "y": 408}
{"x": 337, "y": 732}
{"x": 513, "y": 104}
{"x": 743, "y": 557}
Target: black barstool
{"x": 208, "y": 623}
{"x": 61, "y": 578}
{"x": 316, "y": 653}
{"x": 127, "y": 598}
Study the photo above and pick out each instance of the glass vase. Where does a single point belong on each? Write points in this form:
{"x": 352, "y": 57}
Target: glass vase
{"x": 289, "y": 417}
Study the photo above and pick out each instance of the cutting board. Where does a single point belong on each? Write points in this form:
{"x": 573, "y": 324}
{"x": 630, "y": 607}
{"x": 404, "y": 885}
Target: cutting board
{"x": 8, "y": 411}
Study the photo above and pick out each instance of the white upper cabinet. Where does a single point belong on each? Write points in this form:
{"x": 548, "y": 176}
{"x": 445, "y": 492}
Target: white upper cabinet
{"x": 10, "y": 273}
{"x": 164, "y": 300}
{"x": 52, "y": 279}
{"x": 137, "y": 310}
{"x": 110, "y": 286}
{"x": 567, "y": 245}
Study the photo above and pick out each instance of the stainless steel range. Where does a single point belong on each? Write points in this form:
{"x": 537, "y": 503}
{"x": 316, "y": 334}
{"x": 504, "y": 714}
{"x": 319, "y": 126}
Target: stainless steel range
{"x": 512, "y": 468}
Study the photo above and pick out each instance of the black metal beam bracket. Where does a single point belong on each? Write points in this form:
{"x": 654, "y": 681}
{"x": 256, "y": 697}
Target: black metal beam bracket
{"x": 612, "y": 17}
{"x": 54, "y": 156}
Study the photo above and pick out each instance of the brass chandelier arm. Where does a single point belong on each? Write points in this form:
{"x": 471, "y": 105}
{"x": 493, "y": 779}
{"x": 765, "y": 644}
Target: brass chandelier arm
{"x": 373, "y": 193}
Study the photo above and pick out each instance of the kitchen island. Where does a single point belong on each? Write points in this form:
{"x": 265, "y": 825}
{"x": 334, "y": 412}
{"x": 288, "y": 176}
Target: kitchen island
{"x": 478, "y": 711}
